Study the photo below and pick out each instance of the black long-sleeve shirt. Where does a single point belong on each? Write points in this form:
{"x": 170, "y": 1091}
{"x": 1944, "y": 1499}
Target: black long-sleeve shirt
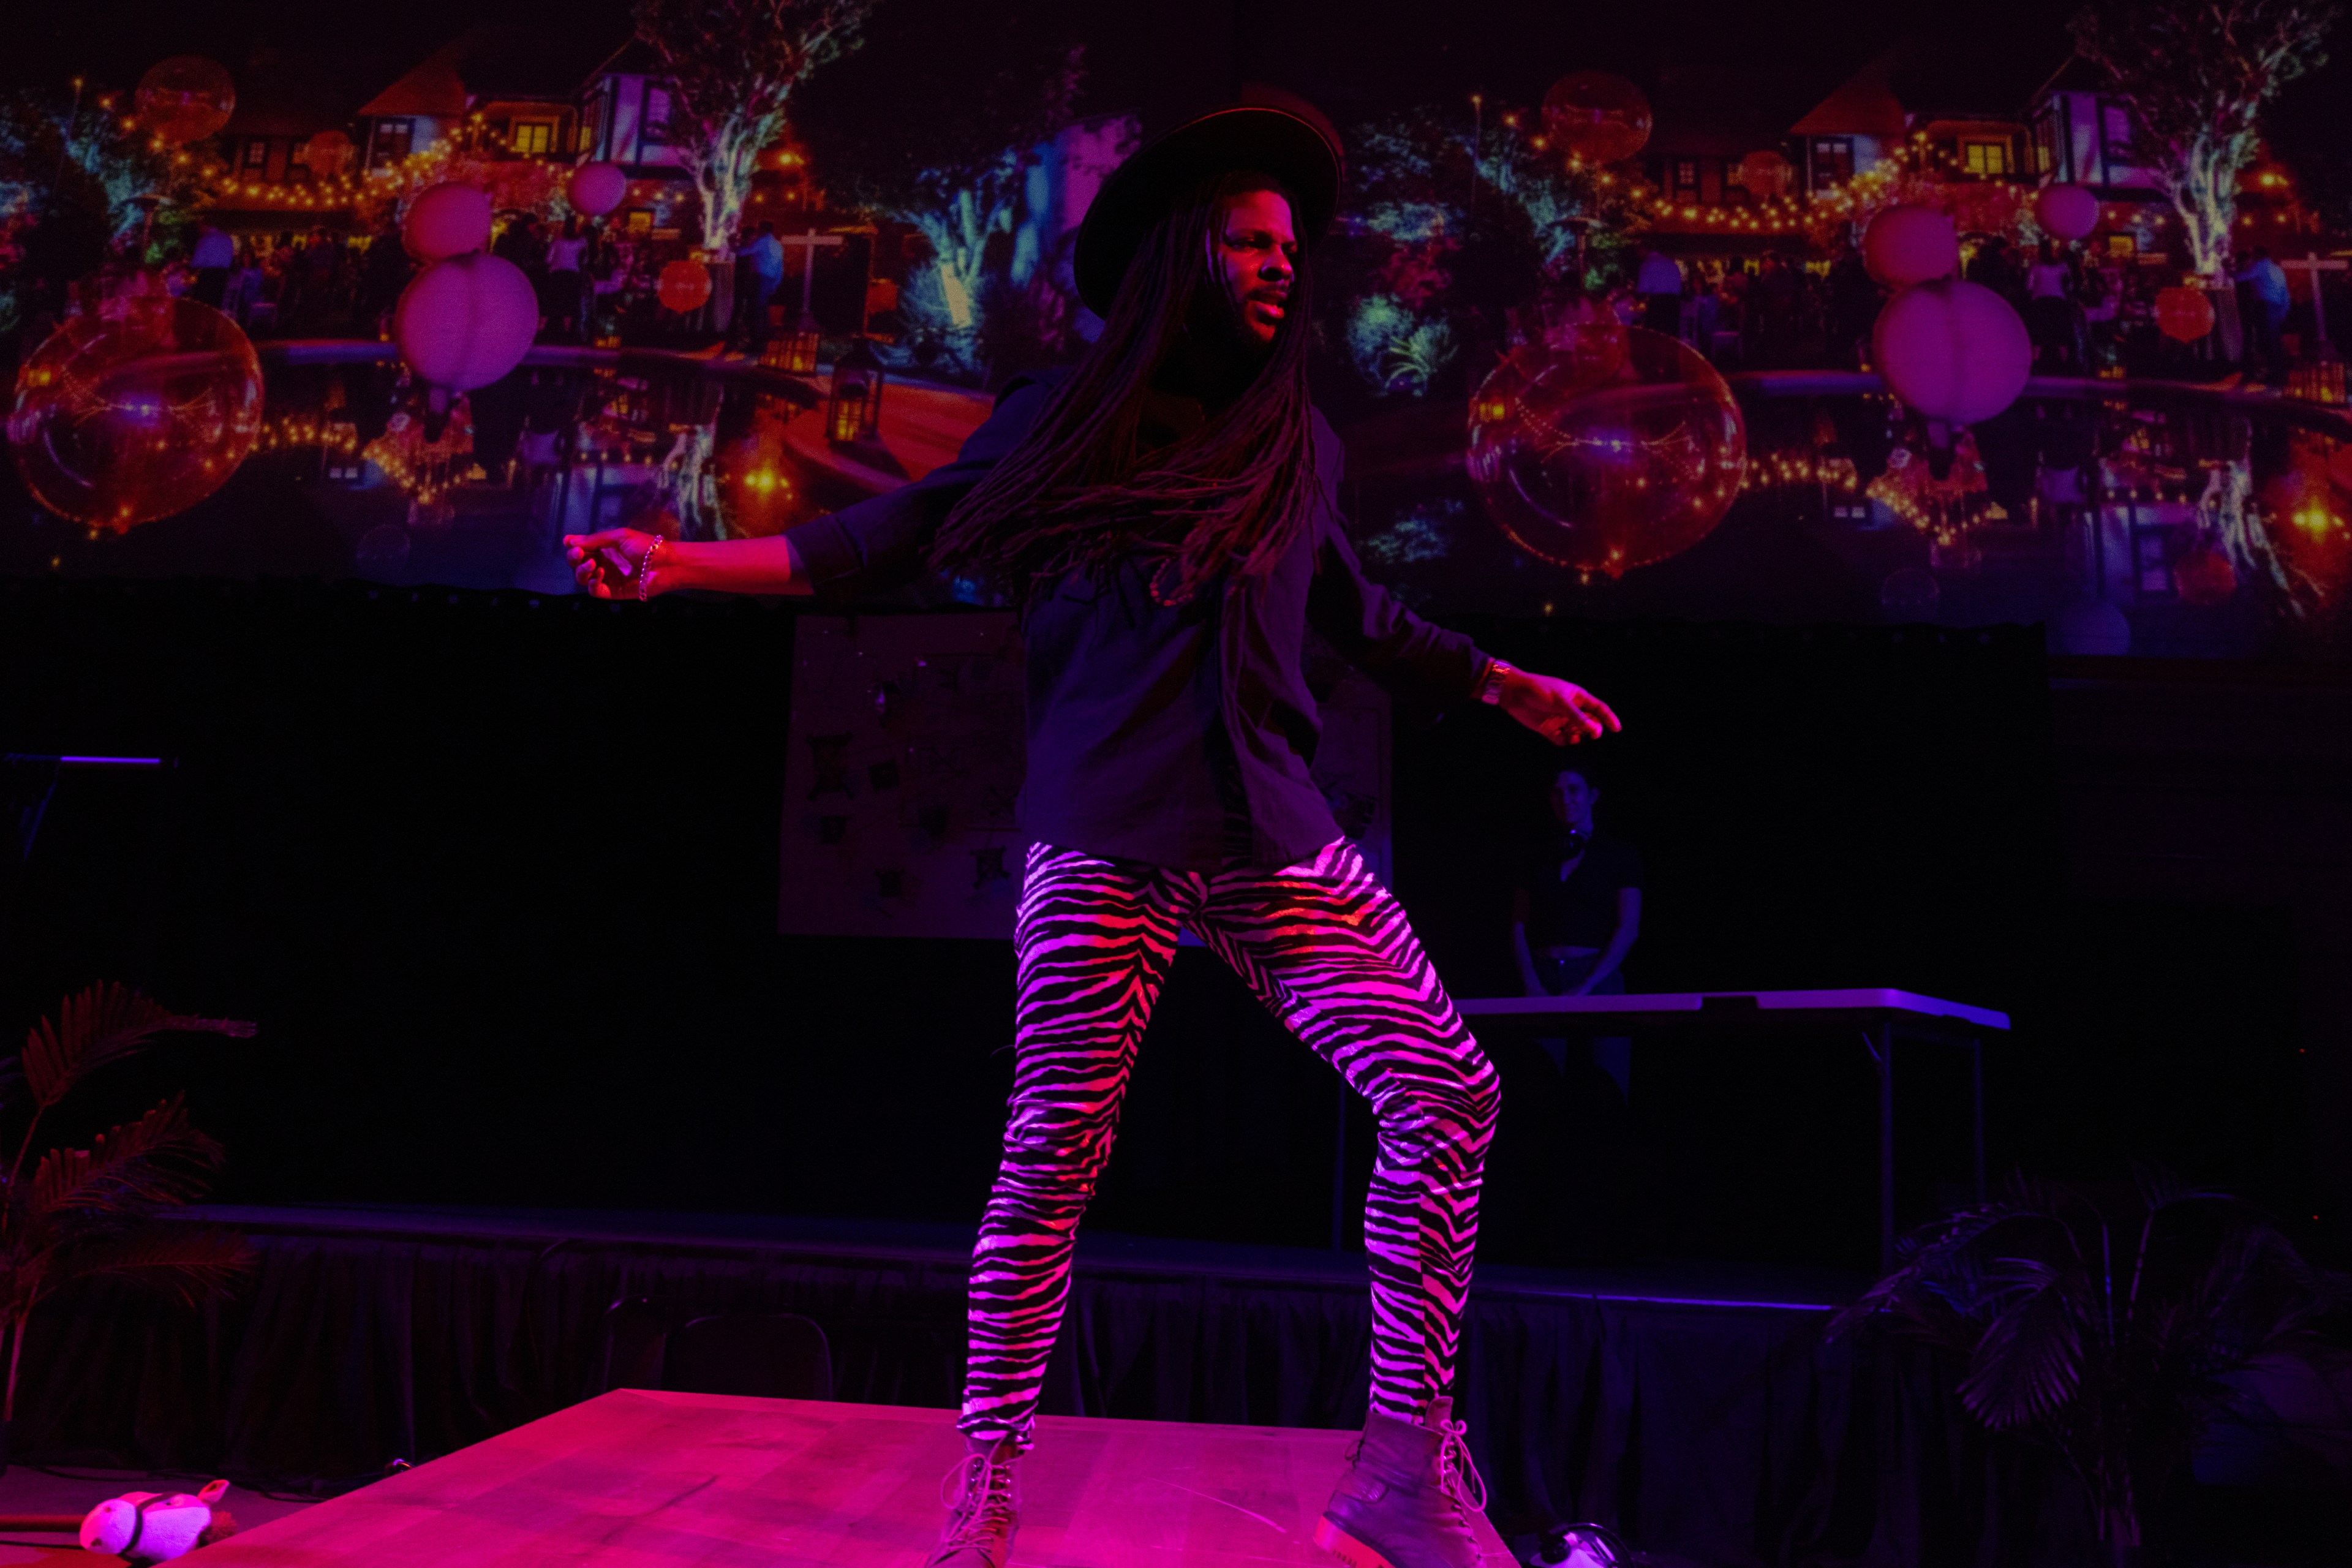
{"x": 1143, "y": 716}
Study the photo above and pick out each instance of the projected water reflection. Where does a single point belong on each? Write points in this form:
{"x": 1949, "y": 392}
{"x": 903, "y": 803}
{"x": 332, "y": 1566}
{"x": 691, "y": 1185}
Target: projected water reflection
{"x": 2183, "y": 527}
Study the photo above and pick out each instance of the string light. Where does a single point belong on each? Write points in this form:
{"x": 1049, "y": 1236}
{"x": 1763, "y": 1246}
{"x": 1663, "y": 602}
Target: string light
{"x": 308, "y": 431}
{"x": 388, "y": 178}
{"x": 1781, "y": 470}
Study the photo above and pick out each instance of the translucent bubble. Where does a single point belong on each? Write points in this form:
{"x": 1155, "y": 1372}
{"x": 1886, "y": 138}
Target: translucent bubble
{"x": 1912, "y": 591}
{"x": 136, "y": 413}
{"x": 1605, "y": 466}
{"x": 1597, "y": 117}
{"x": 185, "y": 98}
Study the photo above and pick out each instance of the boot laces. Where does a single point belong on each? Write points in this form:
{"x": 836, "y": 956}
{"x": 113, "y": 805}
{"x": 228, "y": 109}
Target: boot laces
{"x": 979, "y": 1492}
{"x": 1457, "y": 1477}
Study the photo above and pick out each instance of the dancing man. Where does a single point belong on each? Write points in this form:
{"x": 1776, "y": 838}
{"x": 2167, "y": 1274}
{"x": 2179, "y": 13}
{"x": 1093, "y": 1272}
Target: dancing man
{"x": 1163, "y": 515}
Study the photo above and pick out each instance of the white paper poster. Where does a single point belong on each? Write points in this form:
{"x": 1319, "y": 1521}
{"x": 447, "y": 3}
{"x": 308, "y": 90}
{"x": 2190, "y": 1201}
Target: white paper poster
{"x": 905, "y": 761}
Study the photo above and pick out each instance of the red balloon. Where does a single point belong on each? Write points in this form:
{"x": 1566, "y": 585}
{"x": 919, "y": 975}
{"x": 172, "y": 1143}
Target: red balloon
{"x": 1606, "y": 472}
{"x": 467, "y": 321}
{"x": 1767, "y": 174}
{"x": 185, "y": 98}
{"x": 447, "y": 220}
{"x": 2183, "y": 314}
{"x": 1952, "y": 350}
{"x": 1600, "y": 117}
{"x": 121, "y": 419}
{"x": 327, "y": 153}
{"x": 1909, "y": 244}
{"x": 2204, "y": 576}
{"x": 595, "y": 189}
{"x": 2069, "y": 212}
{"x": 684, "y": 286}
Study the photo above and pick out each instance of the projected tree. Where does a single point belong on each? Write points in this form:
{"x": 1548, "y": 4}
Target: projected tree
{"x": 2196, "y": 74}
{"x": 939, "y": 122}
{"x": 1457, "y": 220}
{"x": 79, "y": 181}
{"x": 736, "y": 65}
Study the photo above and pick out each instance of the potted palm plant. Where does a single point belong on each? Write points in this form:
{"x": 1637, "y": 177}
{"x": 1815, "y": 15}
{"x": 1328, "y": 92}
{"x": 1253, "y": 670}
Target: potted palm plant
{"x": 2107, "y": 1327}
{"x": 70, "y": 1214}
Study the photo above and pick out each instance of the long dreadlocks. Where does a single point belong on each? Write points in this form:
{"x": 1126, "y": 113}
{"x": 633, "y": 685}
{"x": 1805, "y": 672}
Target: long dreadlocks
{"x": 1081, "y": 491}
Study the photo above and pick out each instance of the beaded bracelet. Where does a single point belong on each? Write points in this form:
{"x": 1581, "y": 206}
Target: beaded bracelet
{"x": 645, "y": 568}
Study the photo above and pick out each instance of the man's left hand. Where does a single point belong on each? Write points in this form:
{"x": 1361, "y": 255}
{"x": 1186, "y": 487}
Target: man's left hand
{"x": 1559, "y": 710}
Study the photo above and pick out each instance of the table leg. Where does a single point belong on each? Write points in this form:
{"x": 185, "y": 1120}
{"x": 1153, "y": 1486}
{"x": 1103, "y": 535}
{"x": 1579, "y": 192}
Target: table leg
{"x": 1882, "y": 1050}
{"x": 1975, "y": 1073}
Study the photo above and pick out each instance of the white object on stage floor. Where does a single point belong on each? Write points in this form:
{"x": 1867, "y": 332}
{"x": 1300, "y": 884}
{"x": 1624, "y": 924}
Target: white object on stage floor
{"x": 151, "y": 1526}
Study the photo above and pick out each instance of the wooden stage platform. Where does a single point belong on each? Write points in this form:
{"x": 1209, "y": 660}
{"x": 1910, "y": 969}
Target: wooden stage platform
{"x": 634, "y": 1479}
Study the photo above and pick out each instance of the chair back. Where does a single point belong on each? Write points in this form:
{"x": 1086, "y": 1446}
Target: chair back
{"x": 768, "y": 1355}
{"x": 636, "y": 1337}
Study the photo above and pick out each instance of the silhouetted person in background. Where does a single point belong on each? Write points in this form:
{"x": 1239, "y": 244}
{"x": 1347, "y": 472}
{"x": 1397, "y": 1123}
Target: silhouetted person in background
{"x": 213, "y": 259}
{"x": 1778, "y": 291}
{"x": 1855, "y": 301}
{"x": 1995, "y": 267}
{"x": 2262, "y": 287}
{"x": 1578, "y": 913}
{"x": 1660, "y": 283}
{"x": 2050, "y": 313}
{"x": 384, "y": 272}
{"x": 560, "y": 296}
{"x": 759, "y": 271}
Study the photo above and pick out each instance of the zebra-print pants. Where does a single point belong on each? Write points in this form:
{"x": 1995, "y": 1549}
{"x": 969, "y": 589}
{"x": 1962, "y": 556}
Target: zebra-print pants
{"x": 1326, "y": 947}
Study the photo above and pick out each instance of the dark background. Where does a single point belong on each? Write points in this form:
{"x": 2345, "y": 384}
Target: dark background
{"x": 496, "y": 874}
{"x": 1380, "y": 51}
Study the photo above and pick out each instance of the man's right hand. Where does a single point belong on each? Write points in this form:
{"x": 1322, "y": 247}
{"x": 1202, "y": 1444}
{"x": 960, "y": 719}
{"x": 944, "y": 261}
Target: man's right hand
{"x": 607, "y": 564}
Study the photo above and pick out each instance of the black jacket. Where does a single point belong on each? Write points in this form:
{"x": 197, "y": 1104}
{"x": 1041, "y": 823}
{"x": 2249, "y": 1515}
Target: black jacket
{"x": 1147, "y": 720}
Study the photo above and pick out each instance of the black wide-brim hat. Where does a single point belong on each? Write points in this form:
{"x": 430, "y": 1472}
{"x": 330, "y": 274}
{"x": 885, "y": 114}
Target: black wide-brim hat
{"x": 1269, "y": 133}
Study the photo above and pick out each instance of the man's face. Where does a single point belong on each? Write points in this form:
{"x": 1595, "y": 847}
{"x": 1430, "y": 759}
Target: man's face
{"x": 1572, "y": 798}
{"x": 1254, "y": 252}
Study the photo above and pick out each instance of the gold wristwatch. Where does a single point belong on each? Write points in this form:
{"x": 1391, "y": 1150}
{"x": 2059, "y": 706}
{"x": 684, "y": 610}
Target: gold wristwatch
{"x": 1490, "y": 685}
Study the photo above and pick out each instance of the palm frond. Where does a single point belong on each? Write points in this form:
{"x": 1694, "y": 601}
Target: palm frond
{"x": 2120, "y": 1355}
{"x": 158, "y": 1159}
{"x": 2255, "y": 1294}
{"x": 2028, "y": 1362}
{"x": 188, "y": 1262}
{"x": 2158, "y": 1188}
{"x": 1937, "y": 1267}
{"x": 97, "y": 1026}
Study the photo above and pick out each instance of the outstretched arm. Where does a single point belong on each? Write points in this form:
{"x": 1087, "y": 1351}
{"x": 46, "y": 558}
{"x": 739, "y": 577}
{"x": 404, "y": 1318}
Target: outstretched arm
{"x": 869, "y": 545}
{"x": 1373, "y": 631}
{"x": 1559, "y": 710}
{"x": 609, "y": 564}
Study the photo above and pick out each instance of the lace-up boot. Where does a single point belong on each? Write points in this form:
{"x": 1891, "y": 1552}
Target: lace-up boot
{"x": 1410, "y": 1498}
{"x": 982, "y": 1496}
